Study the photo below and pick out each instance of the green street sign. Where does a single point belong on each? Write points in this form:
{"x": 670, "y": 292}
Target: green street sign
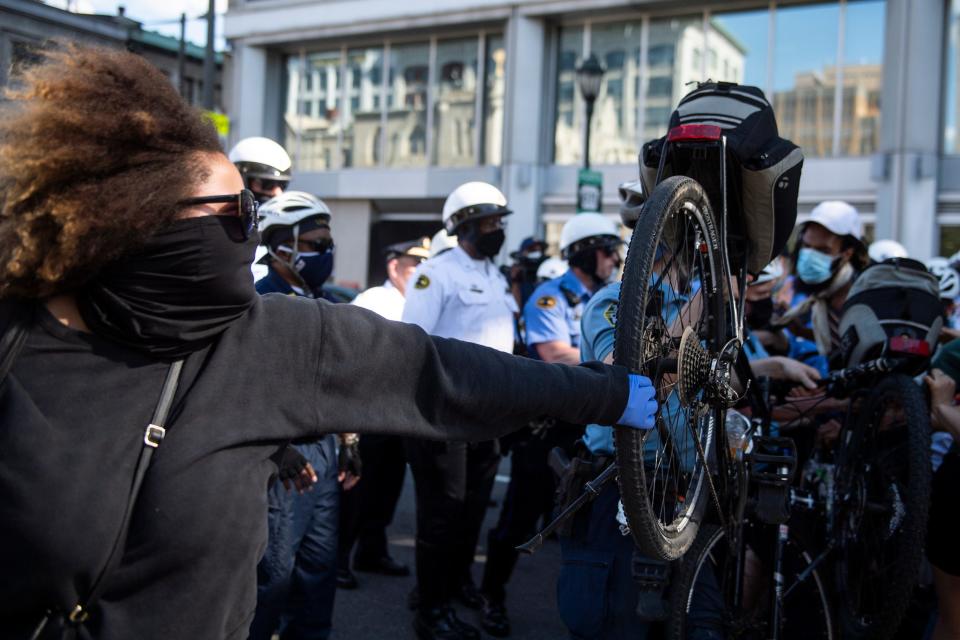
{"x": 589, "y": 190}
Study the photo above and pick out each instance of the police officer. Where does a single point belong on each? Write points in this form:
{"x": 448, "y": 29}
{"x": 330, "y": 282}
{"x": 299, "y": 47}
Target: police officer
{"x": 266, "y": 170}
{"x": 552, "y": 318}
{"x": 458, "y": 294}
{"x": 366, "y": 512}
{"x": 297, "y": 575}
{"x": 264, "y": 165}
{"x": 594, "y": 550}
{"x": 295, "y": 231}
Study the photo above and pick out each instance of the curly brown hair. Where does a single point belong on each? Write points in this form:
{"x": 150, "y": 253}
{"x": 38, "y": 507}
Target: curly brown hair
{"x": 96, "y": 149}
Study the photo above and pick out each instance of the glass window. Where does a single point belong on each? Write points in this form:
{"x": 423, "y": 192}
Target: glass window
{"x": 951, "y": 107}
{"x": 361, "y": 116}
{"x": 862, "y": 77}
{"x": 455, "y": 103}
{"x": 292, "y": 121}
{"x": 407, "y": 105}
{"x": 318, "y": 121}
{"x": 496, "y": 76}
{"x": 567, "y": 141}
{"x": 674, "y": 57}
{"x": 613, "y": 138}
{"x": 805, "y": 75}
{"x": 740, "y": 40}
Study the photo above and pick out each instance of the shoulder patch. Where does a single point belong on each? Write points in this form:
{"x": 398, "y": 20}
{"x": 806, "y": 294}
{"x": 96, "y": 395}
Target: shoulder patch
{"x": 422, "y": 282}
{"x": 546, "y": 302}
{"x": 610, "y": 313}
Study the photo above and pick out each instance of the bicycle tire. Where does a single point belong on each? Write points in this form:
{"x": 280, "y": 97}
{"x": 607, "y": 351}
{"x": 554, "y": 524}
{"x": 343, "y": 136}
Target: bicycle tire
{"x": 806, "y": 613}
{"x": 667, "y": 531}
{"x": 889, "y": 464}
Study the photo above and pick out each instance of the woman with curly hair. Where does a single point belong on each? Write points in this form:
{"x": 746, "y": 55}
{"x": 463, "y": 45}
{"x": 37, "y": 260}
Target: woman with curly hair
{"x": 146, "y": 385}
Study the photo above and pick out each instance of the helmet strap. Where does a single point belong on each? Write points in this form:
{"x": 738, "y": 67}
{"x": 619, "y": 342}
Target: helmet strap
{"x": 290, "y": 263}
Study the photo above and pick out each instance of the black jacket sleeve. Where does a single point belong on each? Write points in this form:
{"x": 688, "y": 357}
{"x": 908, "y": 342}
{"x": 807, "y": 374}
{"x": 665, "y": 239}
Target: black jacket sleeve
{"x": 375, "y": 375}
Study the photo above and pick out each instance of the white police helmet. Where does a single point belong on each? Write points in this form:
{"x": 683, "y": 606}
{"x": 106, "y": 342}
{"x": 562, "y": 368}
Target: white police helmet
{"x": 440, "y": 242}
{"x": 288, "y": 209}
{"x": 472, "y": 201}
{"x": 948, "y": 276}
{"x": 881, "y": 250}
{"x": 551, "y": 268}
{"x": 261, "y": 158}
{"x": 586, "y": 231}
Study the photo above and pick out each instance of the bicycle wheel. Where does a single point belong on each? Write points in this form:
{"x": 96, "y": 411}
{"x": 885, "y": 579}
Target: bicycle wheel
{"x": 884, "y": 488}
{"x": 670, "y": 306}
{"x": 702, "y": 587}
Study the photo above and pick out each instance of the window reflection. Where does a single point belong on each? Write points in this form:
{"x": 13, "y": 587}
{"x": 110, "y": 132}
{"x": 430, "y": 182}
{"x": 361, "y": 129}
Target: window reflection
{"x": 319, "y": 117}
{"x": 407, "y": 105}
{"x": 741, "y": 41}
{"x": 613, "y": 138}
{"x": 674, "y": 59}
{"x": 455, "y": 103}
{"x": 496, "y": 76}
{"x": 361, "y": 114}
{"x": 805, "y": 75}
{"x": 862, "y": 78}
{"x": 568, "y": 143}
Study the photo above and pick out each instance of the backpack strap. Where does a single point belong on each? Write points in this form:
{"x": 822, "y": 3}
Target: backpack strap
{"x": 15, "y": 320}
{"x": 152, "y": 437}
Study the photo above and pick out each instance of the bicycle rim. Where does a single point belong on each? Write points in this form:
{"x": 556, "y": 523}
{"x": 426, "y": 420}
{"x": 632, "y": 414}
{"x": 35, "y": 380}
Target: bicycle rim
{"x": 672, "y": 261}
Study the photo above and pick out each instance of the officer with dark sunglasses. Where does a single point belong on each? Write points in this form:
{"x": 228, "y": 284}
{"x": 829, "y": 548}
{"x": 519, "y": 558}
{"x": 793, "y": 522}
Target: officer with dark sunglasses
{"x": 264, "y": 165}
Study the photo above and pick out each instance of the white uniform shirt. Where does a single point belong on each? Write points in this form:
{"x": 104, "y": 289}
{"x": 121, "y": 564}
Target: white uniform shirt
{"x": 386, "y": 301}
{"x": 455, "y": 296}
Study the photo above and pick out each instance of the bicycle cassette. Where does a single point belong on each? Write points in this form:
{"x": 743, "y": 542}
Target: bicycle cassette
{"x": 693, "y": 367}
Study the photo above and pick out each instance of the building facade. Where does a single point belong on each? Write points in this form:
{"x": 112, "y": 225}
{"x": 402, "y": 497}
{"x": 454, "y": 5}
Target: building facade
{"x": 386, "y": 107}
{"x": 25, "y": 25}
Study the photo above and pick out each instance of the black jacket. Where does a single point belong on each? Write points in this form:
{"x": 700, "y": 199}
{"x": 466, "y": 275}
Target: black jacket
{"x": 73, "y": 411}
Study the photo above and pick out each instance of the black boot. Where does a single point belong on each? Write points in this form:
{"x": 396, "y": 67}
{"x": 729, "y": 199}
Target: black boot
{"x": 346, "y": 579}
{"x": 441, "y": 623}
{"x": 495, "y": 620}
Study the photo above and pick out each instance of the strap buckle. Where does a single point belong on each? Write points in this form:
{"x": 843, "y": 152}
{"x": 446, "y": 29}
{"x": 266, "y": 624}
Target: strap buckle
{"x": 153, "y": 435}
{"x": 78, "y": 615}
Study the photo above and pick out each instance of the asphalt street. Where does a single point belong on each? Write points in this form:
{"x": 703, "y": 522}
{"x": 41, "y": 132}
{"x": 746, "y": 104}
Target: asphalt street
{"x": 377, "y": 610}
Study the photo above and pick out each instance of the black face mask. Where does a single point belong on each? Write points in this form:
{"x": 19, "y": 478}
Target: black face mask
{"x": 489, "y": 244}
{"x": 177, "y": 293}
{"x": 760, "y": 314}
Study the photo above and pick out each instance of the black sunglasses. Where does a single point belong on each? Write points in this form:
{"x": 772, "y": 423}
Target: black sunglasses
{"x": 247, "y": 207}
{"x": 268, "y": 184}
{"x": 320, "y": 246}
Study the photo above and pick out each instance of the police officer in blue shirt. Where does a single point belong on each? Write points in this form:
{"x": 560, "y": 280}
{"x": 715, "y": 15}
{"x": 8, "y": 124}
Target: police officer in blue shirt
{"x": 552, "y": 317}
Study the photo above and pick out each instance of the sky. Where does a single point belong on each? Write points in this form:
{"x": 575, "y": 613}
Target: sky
{"x": 157, "y": 16}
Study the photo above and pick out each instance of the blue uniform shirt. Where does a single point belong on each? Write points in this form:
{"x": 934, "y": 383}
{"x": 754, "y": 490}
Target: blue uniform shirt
{"x": 553, "y": 312}
{"x": 599, "y": 320}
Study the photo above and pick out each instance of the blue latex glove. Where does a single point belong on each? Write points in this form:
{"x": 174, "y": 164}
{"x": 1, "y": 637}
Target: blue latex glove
{"x": 641, "y": 411}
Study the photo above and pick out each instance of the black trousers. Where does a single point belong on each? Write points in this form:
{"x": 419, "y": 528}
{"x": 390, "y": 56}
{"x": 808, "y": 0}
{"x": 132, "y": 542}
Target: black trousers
{"x": 530, "y": 495}
{"x": 367, "y": 510}
{"x": 453, "y": 482}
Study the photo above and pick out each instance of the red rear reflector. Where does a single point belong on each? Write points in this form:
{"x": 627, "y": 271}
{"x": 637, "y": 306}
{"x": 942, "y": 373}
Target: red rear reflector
{"x": 694, "y": 132}
{"x": 909, "y": 346}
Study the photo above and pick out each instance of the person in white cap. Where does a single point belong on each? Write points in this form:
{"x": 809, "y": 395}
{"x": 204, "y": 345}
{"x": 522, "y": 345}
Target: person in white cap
{"x": 829, "y": 255}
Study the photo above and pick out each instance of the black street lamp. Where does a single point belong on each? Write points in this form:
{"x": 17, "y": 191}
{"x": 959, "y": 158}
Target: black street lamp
{"x": 589, "y": 76}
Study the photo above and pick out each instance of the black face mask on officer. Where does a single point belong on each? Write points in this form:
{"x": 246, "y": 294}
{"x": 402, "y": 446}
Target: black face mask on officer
{"x": 487, "y": 244}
